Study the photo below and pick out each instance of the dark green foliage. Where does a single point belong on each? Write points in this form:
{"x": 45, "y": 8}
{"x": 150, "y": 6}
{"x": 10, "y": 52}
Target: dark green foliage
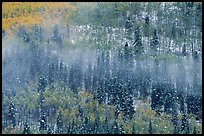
{"x": 49, "y": 131}
{"x": 97, "y": 123}
{"x": 75, "y": 77}
{"x": 154, "y": 42}
{"x": 23, "y": 33}
{"x": 194, "y": 130}
{"x": 69, "y": 129}
{"x": 3, "y": 33}
{"x": 26, "y": 129}
{"x": 184, "y": 50}
{"x": 126, "y": 45}
{"x": 51, "y": 75}
{"x": 175, "y": 124}
{"x": 128, "y": 24}
{"x": 182, "y": 109}
{"x": 133, "y": 129}
{"x": 59, "y": 123}
{"x": 126, "y": 104}
{"x": 43, "y": 122}
{"x": 157, "y": 96}
{"x": 195, "y": 55}
{"x": 147, "y": 27}
{"x": 129, "y": 28}
{"x": 61, "y": 69}
{"x": 173, "y": 32}
{"x": 147, "y": 20}
{"x": 38, "y": 33}
{"x": 57, "y": 37}
{"x": 115, "y": 127}
{"x": 41, "y": 83}
{"x": 138, "y": 41}
{"x": 88, "y": 78}
{"x": 12, "y": 114}
{"x": 150, "y": 130}
{"x": 184, "y": 124}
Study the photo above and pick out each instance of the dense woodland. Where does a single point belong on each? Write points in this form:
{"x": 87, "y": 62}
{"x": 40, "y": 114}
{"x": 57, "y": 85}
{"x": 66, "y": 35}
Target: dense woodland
{"x": 107, "y": 67}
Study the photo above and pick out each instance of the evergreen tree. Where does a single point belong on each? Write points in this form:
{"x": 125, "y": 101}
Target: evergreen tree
{"x": 184, "y": 124}
{"x": 65, "y": 77}
{"x": 26, "y": 129}
{"x": 73, "y": 130}
{"x": 57, "y": 37}
{"x": 38, "y": 33}
{"x": 146, "y": 27}
{"x": 49, "y": 131}
{"x": 147, "y": 20}
{"x": 173, "y": 32}
{"x": 75, "y": 77}
{"x": 194, "y": 130}
{"x": 138, "y": 41}
{"x": 126, "y": 52}
{"x": 12, "y": 114}
{"x": 115, "y": 127}
{"x": 68, "y": 128}
{"x": 184, "y": 49}
{"x": 128, "y": 28}
{"x": 127, "y": 104}
{"x": 59, "y": 123}
{"x": 133, "y": 128}
{"x": 43, "y": 122}
{"x": 51, "y": 75}
{"x": 41, "y": 83}
{"x": 23, "y": 33}
{"x": 3, "y": 33}
{"x": 154, "y": 42}
{"x": 106, "y": 125}
{"x": 88, "y": 77}
{"x": 61, "y": 72}
{"x": 56, "y": 34}
{"x": 86, "y": 125}
{"x": 175, "y": 124}
{"x": 97, "y": 123}
{"x": 150, "y": 127}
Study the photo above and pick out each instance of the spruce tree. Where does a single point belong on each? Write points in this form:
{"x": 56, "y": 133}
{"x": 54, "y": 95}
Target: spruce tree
{"x": 185, "y": 124}
{"x": 49, "y": 131}
{"x": 150, "y": 127}
{"x": 26, "y": 129}
{"x": 41, "y": 83}
{"x": 184, "y": 50}
{"x": 115, "y": 127}
{"x": 128, "y": 28}
{"x": 51, "y": 75}
{"x": 133, "y": 128}
{"x": 59, "y": 123}
{"x": 68, "y": 128}
{"x": 138, "y": 41}
{"x": 43, "y": 122}
{"x": 194, "y": 130}
{"x": 146, "y": 27}
{"x": 12, "y": 114}
{"x": 154, "y": 42}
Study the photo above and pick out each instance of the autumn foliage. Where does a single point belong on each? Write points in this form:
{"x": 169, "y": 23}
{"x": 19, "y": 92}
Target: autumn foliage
{"x": 15, "y": 14}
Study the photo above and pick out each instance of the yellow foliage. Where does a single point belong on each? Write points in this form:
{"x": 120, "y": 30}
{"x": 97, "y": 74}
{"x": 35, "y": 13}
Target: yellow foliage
{"x": 15, "y": 14}
{"x": 128, "y": 127}
{"x": 120, "y": 117}
{"x": 102, "y": 118}
{"x": 92, "y": 117}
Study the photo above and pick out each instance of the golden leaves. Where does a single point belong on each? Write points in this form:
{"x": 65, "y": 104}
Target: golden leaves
{"x": 15, "y": 14}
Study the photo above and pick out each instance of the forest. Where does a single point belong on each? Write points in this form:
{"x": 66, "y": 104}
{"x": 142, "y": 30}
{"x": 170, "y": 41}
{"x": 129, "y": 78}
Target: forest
{"x": 102, "y": 67}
